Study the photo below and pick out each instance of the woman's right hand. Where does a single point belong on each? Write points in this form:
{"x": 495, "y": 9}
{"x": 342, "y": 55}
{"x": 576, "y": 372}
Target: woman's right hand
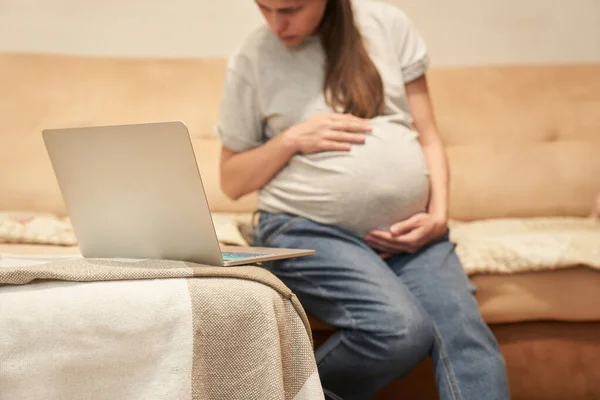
{"x": 328, "y": 132}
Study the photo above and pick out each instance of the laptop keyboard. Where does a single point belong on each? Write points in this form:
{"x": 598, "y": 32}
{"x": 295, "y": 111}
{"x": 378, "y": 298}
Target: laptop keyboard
{"x": 234, "y": 256}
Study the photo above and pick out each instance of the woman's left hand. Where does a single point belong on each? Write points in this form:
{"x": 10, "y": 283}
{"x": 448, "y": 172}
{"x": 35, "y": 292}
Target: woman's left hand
{"x": 408, "y": 236}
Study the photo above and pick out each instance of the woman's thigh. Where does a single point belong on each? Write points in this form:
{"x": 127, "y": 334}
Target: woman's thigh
{"x": 345, "y": 284}
{"x": 436, "y": 278}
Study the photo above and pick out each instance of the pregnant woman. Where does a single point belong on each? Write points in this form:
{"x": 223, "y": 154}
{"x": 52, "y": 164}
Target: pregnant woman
{"x": 326, "y": 113}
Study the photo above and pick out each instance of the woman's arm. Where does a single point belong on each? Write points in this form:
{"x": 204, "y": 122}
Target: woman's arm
{"x": 424, "y": 120}
{"x": 245, "y": 172}
{"x": 248, "y": 171}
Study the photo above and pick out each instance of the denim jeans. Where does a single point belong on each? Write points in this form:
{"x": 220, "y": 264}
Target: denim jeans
{"x": 389, "y": 314}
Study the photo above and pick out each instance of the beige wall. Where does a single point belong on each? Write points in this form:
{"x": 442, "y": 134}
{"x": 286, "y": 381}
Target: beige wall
{"x": 458, "y": 32}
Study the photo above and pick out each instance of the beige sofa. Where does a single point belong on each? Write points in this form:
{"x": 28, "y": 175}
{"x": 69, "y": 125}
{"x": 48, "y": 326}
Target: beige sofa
{"x": 523, "y": 142}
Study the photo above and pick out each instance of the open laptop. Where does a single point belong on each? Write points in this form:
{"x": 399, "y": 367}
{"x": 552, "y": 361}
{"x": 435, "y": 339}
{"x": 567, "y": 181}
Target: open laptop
{"x": 135, "y": 192}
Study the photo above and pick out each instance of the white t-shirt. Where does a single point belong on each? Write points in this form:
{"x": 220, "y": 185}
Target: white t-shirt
{"x": 269, "y": 88}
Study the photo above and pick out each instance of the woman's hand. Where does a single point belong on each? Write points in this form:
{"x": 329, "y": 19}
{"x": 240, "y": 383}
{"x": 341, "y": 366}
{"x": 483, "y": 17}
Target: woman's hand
{"x": 408, "y": 236}
{"x": 328, "y": 132}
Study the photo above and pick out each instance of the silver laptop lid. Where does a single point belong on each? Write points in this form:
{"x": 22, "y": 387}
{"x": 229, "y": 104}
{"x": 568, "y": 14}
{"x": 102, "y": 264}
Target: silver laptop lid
{"x": 134, "y": 191}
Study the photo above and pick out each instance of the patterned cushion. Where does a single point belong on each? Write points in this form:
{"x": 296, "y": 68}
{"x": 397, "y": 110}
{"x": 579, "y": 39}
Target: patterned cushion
{"x": 33, "y": 228}
{"x": 49, "y": 229}
{"x": 527, "y": 244}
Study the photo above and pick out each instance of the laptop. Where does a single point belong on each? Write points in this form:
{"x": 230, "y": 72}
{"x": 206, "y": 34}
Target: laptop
{"x": 135, "y": 192}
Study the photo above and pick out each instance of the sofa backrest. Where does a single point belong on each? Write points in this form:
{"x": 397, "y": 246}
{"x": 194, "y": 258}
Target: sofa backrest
{"x": 522, "y": 141}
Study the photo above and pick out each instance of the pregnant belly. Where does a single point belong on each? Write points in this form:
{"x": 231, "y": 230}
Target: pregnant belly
{"x": 373, "y": 186}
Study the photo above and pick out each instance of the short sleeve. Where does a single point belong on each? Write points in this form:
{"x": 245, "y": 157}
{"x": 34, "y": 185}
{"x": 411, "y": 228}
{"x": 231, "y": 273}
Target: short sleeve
{"x": 411, "y": 48}
{"x": 239, "y": 126}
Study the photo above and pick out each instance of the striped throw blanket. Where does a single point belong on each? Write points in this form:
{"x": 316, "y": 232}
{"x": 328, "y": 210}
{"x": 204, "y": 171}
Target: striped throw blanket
{"x": 148, "y": 330}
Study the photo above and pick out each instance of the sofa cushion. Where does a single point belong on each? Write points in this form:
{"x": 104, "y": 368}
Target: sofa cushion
{"x": 38, "y": 249}
{"x": 569, "y": 294}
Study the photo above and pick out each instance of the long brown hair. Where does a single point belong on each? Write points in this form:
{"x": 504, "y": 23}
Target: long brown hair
{"x": 352, "y": 82}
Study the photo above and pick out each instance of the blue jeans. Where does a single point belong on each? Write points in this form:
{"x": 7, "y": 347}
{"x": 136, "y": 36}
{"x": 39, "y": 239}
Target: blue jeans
{"x": 389, "y": 314}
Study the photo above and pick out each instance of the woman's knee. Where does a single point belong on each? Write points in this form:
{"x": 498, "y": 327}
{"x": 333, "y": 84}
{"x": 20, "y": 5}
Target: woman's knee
{"x": 416, "y": 334}
{"x": 405, "y": 339}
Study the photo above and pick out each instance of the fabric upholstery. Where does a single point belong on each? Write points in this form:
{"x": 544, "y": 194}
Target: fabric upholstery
{"x": 60, "y": 91}
{"x": 522, "y": 141}
{"x": 563, "y": 295}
